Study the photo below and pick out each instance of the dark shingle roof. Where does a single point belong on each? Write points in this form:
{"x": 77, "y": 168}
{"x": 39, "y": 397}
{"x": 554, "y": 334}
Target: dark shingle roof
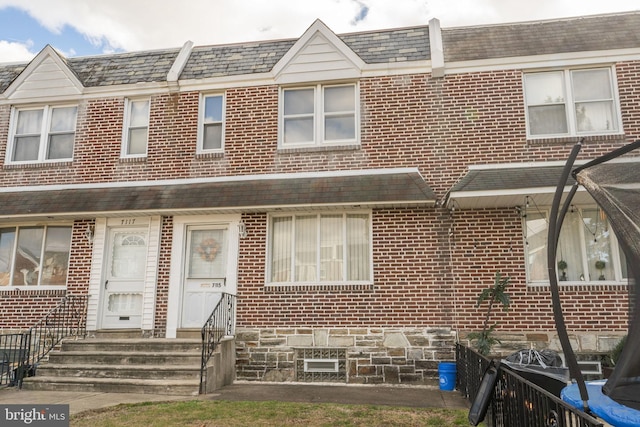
{"x": 404, "y": 44}
{"x": 604, "y": 32}
{"x": 366, "y": 188}
{"x": 511, "y": 178}
{"x": 124, "y": 68}
{"x": 229, "y": 60}
{"x": 8, "y": 73}
{"x": 590, "y": 33}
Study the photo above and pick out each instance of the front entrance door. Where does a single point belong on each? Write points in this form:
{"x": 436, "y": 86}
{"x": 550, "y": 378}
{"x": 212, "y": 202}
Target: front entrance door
{"x": 124, "y": 278}
{"x": 205, "y": 272}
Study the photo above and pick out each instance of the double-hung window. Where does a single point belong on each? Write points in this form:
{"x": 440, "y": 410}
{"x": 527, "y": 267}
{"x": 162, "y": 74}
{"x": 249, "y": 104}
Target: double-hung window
{"x": 587, "y": 249}
{"x": 136, "y": 128}
{"x": 34, "y": 255}
{"x": 211, "y": 129}
{"x": 42, "y": 134}
{"x": 571, "y": 102}
{"x": 319, "y": 115}
{"x": 320, "y": 248}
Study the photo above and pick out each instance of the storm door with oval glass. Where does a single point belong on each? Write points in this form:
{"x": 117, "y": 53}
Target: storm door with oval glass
{"x": 205, "y": 273}
{"x": 124, "y": 278}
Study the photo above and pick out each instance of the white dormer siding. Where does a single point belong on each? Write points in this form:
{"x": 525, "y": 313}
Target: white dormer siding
{"x": 319, "y": 55}
{"x": 47, "y": 76}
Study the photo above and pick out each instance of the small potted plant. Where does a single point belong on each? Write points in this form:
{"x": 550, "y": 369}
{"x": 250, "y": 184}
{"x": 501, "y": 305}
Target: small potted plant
{"x": 562, "y": 266}
{"x": 600, "y": 265}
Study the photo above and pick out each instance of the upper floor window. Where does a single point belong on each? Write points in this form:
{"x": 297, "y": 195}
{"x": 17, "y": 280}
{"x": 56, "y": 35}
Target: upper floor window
{"x": 136, "y": 128}
{"x": 319, "y": 115}
{"x": 42, "y": 134}
{"x": 320, "y": 248}
{"x": 34, "y": 255}
{"x": 571, "y": 102}
{"x": 211, "y": 131}
{"x": 587, "y": 249}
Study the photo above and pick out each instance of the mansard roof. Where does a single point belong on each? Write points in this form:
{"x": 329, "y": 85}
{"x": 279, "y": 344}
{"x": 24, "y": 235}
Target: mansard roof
{"x": 562, "y": 36}
{"x": 582, "y": 34}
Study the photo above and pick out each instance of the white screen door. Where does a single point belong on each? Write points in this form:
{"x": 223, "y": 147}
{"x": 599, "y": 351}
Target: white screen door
{"x": 123, "y": 284}
{"x": 205, "y": 275}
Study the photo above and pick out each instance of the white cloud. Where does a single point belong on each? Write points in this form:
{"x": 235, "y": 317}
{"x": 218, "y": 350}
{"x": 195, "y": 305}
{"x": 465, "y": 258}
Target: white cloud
{"x": 152, "y": 24}
{"x": 15, "y": 52}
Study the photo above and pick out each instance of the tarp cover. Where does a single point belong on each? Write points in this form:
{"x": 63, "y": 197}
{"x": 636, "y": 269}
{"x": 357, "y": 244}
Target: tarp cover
{"x": 615, "y": 186}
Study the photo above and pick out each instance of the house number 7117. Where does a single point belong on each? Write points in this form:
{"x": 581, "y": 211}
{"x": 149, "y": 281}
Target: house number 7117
{"x": 130, "y": 221}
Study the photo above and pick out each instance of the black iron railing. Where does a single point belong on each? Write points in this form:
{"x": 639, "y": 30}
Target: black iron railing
{"x": 219, "y": 325}
{"x": 20, "y": 353}
{"x": 516, "y": 401}
{"x": 14, "y": 354}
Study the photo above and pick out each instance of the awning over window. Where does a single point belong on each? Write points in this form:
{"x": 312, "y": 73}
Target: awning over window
{"x": 505, "y": 185}
{"x": 365, "y": 188}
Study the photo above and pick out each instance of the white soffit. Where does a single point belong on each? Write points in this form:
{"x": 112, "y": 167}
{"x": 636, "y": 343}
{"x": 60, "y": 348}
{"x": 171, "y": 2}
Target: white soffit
{"x": 46, "y": 76}
{"x": 543, "y": 196}
{"x": 319, "y": 55}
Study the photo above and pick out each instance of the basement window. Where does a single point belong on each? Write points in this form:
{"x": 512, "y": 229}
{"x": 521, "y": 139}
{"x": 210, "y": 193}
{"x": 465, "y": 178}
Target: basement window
{"x": 321, "y": 365}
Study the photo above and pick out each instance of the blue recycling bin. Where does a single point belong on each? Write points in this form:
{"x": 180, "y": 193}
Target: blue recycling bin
{"x": 447, "y": 372}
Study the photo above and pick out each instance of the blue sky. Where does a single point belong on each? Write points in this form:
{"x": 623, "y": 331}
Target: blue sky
{"x": 93, "y": 27}
{"x": 17, "y": 26}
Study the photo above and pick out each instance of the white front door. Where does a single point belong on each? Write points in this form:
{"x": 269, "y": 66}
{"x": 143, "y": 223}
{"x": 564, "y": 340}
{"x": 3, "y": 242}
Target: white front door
{"x": 124, "y": 278}
{"x": 206, "y": 272}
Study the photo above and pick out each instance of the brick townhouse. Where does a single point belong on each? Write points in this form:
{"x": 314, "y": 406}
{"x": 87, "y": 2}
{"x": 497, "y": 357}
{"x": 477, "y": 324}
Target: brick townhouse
{"x": 356, "y": 192}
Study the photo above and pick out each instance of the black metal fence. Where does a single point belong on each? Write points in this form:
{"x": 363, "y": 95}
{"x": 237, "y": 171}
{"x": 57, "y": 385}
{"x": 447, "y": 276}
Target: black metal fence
{"x": 516, "y": 401}
{"x": 21, "y": 352}
{"x": 219, "y": 324}
{"x": 14, "y": 354}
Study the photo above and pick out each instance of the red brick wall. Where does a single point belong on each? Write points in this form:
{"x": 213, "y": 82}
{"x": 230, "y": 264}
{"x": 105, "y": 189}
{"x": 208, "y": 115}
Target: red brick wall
{"x": 408, "y": 290}
{"x": 164, "y": 268}
{"x": 415, "y": 278}
{"x": 438, "y": 125}
{"x": 488, "y": 241}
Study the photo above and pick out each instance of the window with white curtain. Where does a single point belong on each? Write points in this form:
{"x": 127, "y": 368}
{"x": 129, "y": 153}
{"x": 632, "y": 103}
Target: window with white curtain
{"x": 588, "y": 250}
{"x": 42, "y": 134}
{"x": 312, "y": 248}
{"x": 571, "y": 102}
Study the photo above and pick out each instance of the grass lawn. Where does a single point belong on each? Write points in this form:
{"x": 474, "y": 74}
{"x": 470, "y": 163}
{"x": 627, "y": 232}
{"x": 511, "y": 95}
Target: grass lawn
{"x": 208, "y": 413}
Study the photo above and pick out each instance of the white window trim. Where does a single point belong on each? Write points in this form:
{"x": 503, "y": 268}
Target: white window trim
{"x": 319, "y": 117}
{"x": 44, "y": 134}
{"x": 569, "y": 102}
{"x": 125, "y": 129}
{"x": 201, "y": 110}
{"x": 345, "y": 282}
{"x": 615, "y": 254}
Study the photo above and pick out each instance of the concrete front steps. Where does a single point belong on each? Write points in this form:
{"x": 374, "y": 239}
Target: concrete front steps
{"x": 122, "y": 365}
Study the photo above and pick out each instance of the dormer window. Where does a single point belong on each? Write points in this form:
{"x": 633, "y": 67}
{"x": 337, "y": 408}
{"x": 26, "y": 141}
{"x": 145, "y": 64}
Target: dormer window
{"x": 42, "y": 134}
{"x": 319, "y": 115}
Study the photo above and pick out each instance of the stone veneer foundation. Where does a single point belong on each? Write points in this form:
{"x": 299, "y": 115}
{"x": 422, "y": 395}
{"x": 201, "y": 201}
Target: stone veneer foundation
{"x": 371, "y": 355}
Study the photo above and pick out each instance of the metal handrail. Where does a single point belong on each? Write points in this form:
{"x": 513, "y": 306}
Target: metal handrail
{"x": 21, "y": 353}
{"x": 515, "y": 400}
{"x": 219, "y": 325}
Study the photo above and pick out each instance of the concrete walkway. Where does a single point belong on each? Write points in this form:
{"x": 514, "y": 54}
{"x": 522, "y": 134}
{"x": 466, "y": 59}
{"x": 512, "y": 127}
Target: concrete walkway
{"x": 418, "y": 397}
